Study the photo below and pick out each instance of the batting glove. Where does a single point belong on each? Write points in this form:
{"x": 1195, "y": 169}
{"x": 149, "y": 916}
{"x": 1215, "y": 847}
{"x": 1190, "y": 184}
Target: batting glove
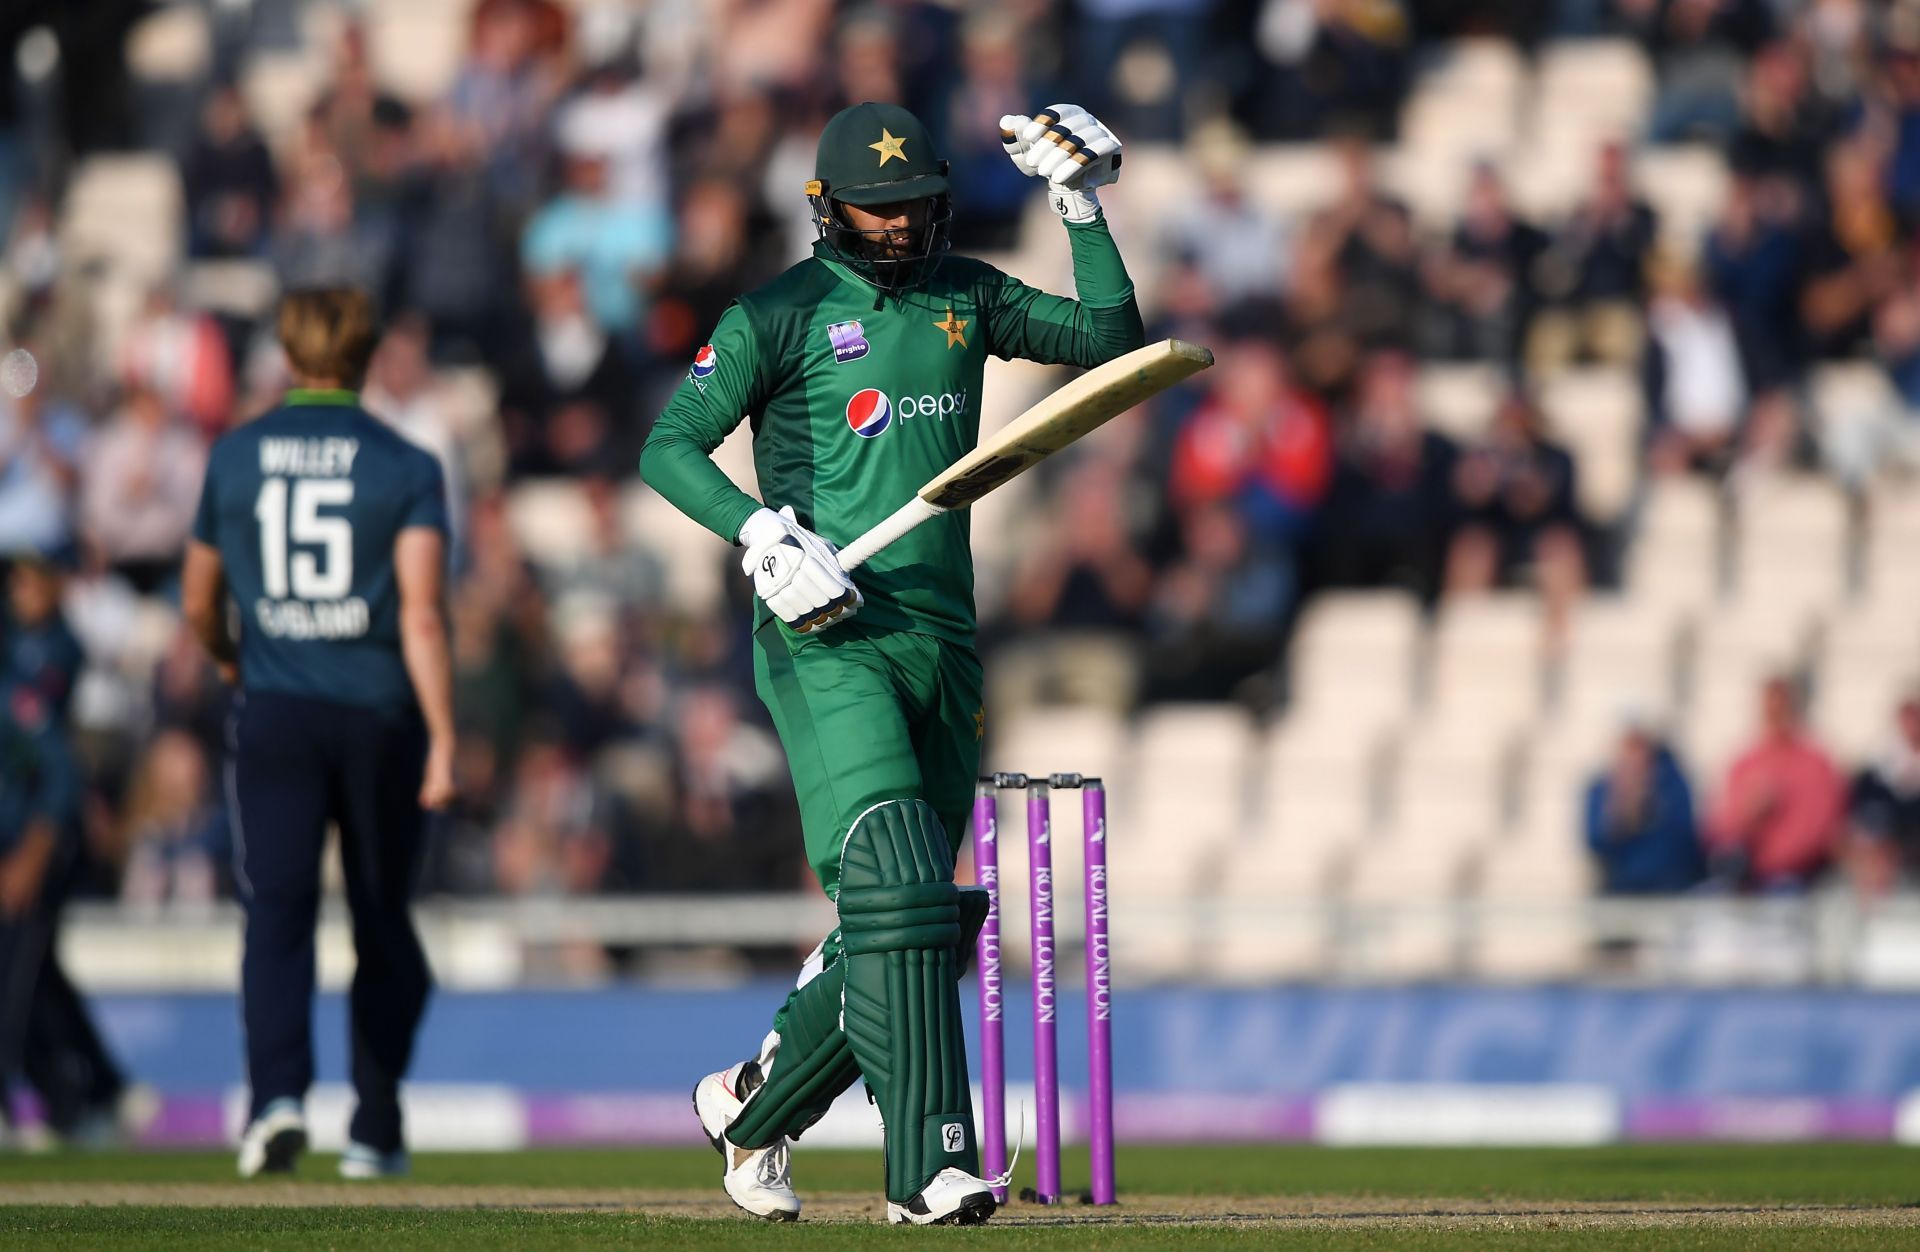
{"x": 1067, "y": 146}
{"x": 796, "y": 572}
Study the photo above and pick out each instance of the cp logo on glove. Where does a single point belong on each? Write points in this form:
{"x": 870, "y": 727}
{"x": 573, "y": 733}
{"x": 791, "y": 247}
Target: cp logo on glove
{"x": 796, "y": 572}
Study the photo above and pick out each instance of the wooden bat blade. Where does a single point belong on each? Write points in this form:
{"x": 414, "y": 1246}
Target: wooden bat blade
{"x": 1089, "y": 401}
{"x": 1085, "y": 404}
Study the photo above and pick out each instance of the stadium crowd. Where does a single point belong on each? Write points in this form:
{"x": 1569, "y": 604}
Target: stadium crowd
{"x": 572, "y": 214}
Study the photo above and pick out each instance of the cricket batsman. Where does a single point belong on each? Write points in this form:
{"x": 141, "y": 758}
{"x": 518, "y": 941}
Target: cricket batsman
{"x": 861, "y": 369}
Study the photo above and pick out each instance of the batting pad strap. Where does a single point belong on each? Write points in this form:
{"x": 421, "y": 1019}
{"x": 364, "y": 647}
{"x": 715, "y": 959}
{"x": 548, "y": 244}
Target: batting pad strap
{"x": 894, "y": 919}
{"x": 974, "y": 905}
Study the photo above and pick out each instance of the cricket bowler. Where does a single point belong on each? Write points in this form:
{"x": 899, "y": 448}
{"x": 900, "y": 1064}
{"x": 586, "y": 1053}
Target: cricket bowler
{"x": 861, "y": 369}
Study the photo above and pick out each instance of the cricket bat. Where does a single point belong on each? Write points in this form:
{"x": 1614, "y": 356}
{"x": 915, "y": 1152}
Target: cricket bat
{"x": 1089, "y": 401}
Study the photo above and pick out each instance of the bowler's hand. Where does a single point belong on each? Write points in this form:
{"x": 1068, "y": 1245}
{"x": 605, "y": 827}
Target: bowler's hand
{"x": 436, "y": 785}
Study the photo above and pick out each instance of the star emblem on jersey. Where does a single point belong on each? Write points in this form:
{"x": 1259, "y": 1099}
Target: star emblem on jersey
{"x": 979, "y": 724}
{"x": 889, "y": 147}
{"x": 956, "y": 328}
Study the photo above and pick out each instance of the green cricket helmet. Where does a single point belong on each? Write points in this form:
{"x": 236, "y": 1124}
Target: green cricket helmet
{"x": 879, "y": 154}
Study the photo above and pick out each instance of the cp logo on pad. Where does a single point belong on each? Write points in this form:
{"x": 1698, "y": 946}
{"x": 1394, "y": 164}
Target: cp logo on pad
{"x": 869, "y": 412}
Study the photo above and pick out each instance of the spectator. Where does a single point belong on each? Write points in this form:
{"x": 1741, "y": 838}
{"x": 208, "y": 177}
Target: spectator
{"x": 1219, "y": 612}
{"x": 1390, "y": 513}
{"x": 989, "y": 193}
{"x": 726, "y": 246}
{"x": 183, "y": 355}
{"x": 1752, "y": 266}
{"x": 40, "y": 444}
{"x": 1640, "y": 821}
{"x": 569, "y": 399}
{"x": 229, "y": 181}
{"x": 1776, "y": 823}
{"x": 1854, "y": 257}
{"x": 42, "y": 654}
{"x": 1083, "y": 572}
{"x": 457, "y": 262}
{"x": 1785, "y": 128}
{"x": 140, "y": 487}
{"x": 1482, "y": 285}
{"x": 735, "y": 825}
{"x": 176, "y": 839}
{"x": 1699, "y": 47}
{"x": 501, "y": 98}
{"x": 1883, "y": 809}
{"x": 319, "y": 242}
{"x": 1699, "y": 387}
{"x": 1516, "y": 498}
{"x": 400, "y": 391}
{"x": 1369, "y": 235}
{"x": 1335, "y": 66}
{"x": 609, "y": 569}
{"x": 1594, "y": 275}
{"x": 1256, "y": 442}
{"x": 615, "y": 247}
{"x": 1239, "y": 248}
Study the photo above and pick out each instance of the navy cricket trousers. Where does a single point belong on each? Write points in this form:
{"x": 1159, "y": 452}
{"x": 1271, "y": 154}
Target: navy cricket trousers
{"x": 296, "y": 764}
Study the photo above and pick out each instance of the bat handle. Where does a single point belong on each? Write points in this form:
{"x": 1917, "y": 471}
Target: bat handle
{"x": 897, "y": 523}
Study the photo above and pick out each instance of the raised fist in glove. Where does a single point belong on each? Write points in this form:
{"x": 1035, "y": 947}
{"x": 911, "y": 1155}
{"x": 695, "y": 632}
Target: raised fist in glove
{"x": 796, "y": 572}
{"x": 1067, "y": 146}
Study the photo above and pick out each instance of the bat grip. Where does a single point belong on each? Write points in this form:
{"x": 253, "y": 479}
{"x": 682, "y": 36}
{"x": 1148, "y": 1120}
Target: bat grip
{"x": 897, "y": 523}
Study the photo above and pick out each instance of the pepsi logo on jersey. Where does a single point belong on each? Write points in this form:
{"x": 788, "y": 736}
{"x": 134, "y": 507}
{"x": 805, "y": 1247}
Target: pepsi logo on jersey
{"x": 869, "y": 411}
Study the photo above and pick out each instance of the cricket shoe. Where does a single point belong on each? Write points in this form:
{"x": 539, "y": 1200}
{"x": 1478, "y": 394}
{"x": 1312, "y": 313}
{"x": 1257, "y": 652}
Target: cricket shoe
{"x": 274, "y": 1140}
{"x": 360, "y": 1161}
{"x": 953, "y": 1198}
{"x": 759, "y": 1180}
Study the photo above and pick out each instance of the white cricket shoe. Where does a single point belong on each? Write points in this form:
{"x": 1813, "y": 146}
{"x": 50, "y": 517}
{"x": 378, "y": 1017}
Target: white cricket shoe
{"x": 759, "y": 1180}
{"x": 360, "y": 1161}
{"x": 274, "y": 1140}
{"x": 953, "y": 1198}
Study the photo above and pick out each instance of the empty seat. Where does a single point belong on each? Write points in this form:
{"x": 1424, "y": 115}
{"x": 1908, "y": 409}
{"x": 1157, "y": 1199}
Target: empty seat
{"x": 1598, "y": 414}
{"x": 1448, "y": 783}
{"x": 1316, "y": 778}
{"x": 1487, "y": 657}
{"x": 1890, "y": 575}
{"x": 1621, "y": 653}
{"x": 1529, "y": 924}
{"x": 1675, "y": 558}
{"x": 1686, "y": 185}
{"x": 1459, "y": 400}
{"x": 551, "y": 520}
{"x": 1355, "y": 654}
{"x": 1791, "y": 549}
{"x": 1593, "y": 86}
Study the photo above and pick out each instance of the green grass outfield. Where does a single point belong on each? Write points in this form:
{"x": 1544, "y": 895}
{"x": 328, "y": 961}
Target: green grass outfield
{"x": 1839, "y": 1196}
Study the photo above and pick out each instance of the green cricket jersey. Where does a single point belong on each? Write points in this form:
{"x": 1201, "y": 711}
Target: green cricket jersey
{"x": 857, "y": 399}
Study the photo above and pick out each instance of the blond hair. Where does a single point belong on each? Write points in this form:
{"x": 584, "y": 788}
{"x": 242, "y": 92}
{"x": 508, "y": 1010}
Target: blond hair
{"x": 328, "y": 333}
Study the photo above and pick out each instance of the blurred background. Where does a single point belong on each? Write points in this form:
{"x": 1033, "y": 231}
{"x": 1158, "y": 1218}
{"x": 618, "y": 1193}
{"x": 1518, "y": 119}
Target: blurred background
{"x": 1503, "y": 661}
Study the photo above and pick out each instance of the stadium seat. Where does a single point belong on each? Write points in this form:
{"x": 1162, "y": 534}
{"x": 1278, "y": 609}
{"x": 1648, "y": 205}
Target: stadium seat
{"x": 280, "y": 88}
{"x": 1598, "y": 414}
{"x": 1889, "y": 574}
{"x": 416, "y": 47}
{"x": 1685, "y": 185}
{"x": 1459, "y": 400}
{"x": 172, "y": 44}
{"x": 1356, "y": 652}
{"x": 1848, "y": 399}
{"x": 1869, "y": 661}
{"x": 1529, "y": 925}
{"x": 1316, "y": 777}
{"x": 126, "y": 210}
{"x": 1487, "y": 653}
{"x": 1675, "y": 561}
{"x": 1790, "y": 554}
{"x": 550, "y": 519}
{"x": 1620, "y": 653}
{"x": 1296, "y": 180}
